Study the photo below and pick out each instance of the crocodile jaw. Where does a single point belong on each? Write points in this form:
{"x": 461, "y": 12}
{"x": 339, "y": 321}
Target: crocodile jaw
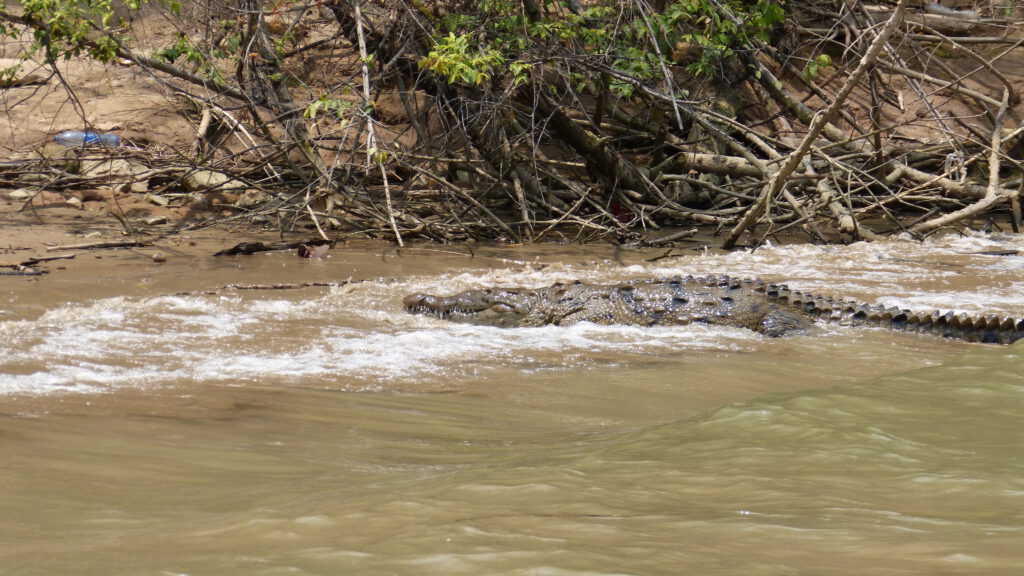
{"x": 504, "y": 308}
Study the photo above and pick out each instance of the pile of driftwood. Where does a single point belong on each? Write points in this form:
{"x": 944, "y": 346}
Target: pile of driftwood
{"x": 212, "y": 192}
{"x": 854, "y": 121}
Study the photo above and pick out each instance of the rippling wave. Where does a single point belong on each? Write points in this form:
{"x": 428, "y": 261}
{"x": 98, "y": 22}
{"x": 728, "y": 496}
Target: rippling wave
{"x": 357, "y": 337}
{"x": 215, "y": 434}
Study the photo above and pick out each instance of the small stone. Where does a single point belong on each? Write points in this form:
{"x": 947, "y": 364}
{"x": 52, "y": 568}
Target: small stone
{"x": 208, "y": 180}
{"x": 20, "y": 194}
{"x": 60, "y": 157}
{"x": 107, "y": 167}
{"x": 138, "y": 186}
{"x": 159, "y": 257}
{"x": 196, "y": 200}
{"x": 156, "y": 200}
{"x": 34, "y": 179}
{"x": 156, "y": 220}
{"x": 121, "y": 174}
{"x": 251, "y": 198}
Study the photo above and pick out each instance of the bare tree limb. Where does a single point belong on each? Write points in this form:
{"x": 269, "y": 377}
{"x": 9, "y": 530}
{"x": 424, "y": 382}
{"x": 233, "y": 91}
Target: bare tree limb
{"x": 778, "y": 180}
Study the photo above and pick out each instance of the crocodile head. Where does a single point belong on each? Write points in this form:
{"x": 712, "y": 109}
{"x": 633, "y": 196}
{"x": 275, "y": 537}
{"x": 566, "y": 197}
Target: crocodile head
{"x": 505, "y": 307}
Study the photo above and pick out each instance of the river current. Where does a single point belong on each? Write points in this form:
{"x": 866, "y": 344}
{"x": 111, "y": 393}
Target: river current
{"x": 154, "y": 422}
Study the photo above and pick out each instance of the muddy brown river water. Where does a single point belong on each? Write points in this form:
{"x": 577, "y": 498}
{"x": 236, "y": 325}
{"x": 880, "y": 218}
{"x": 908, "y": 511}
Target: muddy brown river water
{"x": 147, "y": 427}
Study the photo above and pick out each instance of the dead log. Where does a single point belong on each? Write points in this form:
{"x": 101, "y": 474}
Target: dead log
{"x": 250, "y": 248}
{"x": 709, "y": 163}
{"x": 601, "y": 159}
{"x": 99, "y": 245}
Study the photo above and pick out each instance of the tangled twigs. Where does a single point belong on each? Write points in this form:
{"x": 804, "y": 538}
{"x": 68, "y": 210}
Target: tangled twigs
{"x": 837, "y": 121}
{"x": 994, "y": 194}
{"x": 778, "y": 180}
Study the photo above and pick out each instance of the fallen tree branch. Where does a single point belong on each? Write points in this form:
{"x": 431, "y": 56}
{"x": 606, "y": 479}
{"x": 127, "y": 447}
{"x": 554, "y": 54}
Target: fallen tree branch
{"x": 99, "y": 245}
{"x": 792, "y": 160}
{"x": 36, "y": 260}
{"x": 282, "y": 286}
{"x": 709, "y": 163}
{"x": 994, "y": 194}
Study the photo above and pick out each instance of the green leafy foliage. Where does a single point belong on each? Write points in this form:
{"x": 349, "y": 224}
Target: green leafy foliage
{"x": 719, "y": 37}
{"x": 628, "y": 37}
{"x": 203, "y": 59}
{"x": 10, "y": 72}
{"x": 815, "y": 66}
{"x": 339, "y": 108}
{"x": 70, "y": 28}
{"x": 520, "y": 71}
{"x": 453, "y": 58}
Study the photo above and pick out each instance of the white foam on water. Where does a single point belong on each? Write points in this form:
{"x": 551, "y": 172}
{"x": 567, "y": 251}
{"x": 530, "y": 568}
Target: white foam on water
{"x": 322, "y": 341}
{"x": 359, "y": 335}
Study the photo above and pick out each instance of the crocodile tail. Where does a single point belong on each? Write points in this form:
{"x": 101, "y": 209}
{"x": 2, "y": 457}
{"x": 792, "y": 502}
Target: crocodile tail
{"x": 989, "y": 329}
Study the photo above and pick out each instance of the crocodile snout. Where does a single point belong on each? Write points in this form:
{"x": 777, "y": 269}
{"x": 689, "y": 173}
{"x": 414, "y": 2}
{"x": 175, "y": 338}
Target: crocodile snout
{"x": 505, "y": 307}
{"x": 415, "y": 301}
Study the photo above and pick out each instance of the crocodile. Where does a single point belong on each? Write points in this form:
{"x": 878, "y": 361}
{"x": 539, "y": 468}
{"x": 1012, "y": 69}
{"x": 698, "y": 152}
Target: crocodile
{"x": 768, "y": 308}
